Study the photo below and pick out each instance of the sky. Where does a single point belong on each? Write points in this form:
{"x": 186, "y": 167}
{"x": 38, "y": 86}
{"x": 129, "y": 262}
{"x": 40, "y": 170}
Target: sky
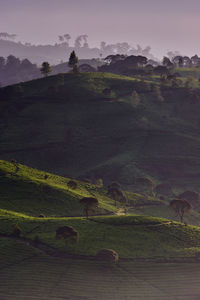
{"x": 164, "y": 25}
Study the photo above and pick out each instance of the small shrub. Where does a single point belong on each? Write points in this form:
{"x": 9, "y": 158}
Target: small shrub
{"x": 67, "y": 233}
{"x": 108, "y": 255}
{"x": 41, "y": 216}
{"x": 72, "y": 184}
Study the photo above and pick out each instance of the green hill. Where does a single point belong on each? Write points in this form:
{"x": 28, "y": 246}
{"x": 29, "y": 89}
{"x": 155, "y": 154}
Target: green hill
{"x": 85, "y": 126}
{"x": 26, "y": 194}
{"x": 36, "y": 265}
{"x": 131, "y": 236}
{"x": 27, "y": 191}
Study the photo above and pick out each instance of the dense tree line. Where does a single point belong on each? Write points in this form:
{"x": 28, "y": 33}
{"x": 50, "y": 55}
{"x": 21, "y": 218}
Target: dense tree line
{"x": 14, "y": 70}
{"x": 63, "y": 46}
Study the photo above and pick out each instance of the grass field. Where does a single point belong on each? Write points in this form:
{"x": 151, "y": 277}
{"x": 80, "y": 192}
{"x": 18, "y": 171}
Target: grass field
{"x": 28, "y": 192}
{"x": 49, "y": 270}
{"x": 42, "y": 277}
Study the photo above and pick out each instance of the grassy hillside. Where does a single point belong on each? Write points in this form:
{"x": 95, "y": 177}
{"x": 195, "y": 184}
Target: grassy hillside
{"x": 38, "y": 266}
{"x": 28, "y": 192}
{"x": 131, "y": 236}
{"x": 68, "y": 125}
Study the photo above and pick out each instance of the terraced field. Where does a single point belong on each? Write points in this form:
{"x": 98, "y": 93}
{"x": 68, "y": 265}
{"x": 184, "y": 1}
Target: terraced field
{"x": 157, "y": 256}
{"x": 42, "y": 277}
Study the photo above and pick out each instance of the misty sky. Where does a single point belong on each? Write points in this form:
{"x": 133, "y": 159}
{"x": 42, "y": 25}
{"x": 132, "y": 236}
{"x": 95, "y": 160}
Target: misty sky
{"x": 164, "y": 25}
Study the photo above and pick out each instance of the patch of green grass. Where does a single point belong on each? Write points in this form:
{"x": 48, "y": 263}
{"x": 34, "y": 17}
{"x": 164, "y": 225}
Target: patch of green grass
{"x": 131, "y": 236}
{"x": 28, "y": 192}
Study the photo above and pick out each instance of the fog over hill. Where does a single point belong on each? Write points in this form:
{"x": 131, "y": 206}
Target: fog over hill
{"x": 61, "y": 50}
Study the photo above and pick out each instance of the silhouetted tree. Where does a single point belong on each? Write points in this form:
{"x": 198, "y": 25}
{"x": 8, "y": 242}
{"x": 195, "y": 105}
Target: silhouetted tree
{"x": 167, "y": 62}
{"x": 45, "y": 69}
{"x": 181, "y": 207}
{"x": 12, "y": 63}
{"x": 73, "y": 61}
{"x": 178, "y": 61}
{"x": 187, "y": 62}
{"x": 195, "y": 60}
{"x": 15, "y": 164}
{"x": 90, "y": 204}
{"x": 117, "y": 194}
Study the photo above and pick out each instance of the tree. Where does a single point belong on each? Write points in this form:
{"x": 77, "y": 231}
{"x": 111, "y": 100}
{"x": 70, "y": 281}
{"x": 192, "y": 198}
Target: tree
{"x": 89, "y": 205}
{"x": 45, "y": 69}
{"x": 73, "y": 61}
{"x": 167, "y": 62}
{"x": 116, "y": 193}
{"x": 12, "y": 63}
{"x": 192, "y": 197}
{"x": 15, "y": 164}
{"x": 67, "y": 233}
{"x": 181, "y": 207}
{"x": 144, "y": 184}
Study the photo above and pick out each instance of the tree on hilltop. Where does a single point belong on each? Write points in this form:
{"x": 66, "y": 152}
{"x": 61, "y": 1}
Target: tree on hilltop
{"x": 181, "y": 207}
{"x": 45, "y": 69}
{"x": 73, "y": 61}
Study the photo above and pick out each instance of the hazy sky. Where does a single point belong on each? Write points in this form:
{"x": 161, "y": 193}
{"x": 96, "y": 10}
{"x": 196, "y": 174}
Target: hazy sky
{"x": 164, "y": 25}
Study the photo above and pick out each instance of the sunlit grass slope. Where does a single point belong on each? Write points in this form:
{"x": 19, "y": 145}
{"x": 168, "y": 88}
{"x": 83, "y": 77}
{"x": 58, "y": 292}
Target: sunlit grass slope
{"x": 131, "y": 236}
{"x": 27, "y": 191}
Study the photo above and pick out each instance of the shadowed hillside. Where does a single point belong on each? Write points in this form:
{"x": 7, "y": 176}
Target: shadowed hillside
{"x": 88, "y": 125}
